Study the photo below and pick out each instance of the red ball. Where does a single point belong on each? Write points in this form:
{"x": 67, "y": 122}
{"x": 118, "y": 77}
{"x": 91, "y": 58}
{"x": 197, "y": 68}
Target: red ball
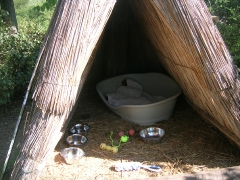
{"x": 120, "y": 134}
{"x": 131, "y": 132}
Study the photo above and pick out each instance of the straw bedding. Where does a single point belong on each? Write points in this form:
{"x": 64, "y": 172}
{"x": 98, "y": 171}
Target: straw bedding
{"x": 189, "y": 145}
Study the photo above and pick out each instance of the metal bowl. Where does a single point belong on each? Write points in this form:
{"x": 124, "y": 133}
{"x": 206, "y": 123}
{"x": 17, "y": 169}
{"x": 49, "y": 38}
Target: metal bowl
{"x": 152, "y": 135}
{"x": 72, "y": 155}
{"x": 79, "y": 128}
{"x": 76, "y": 140}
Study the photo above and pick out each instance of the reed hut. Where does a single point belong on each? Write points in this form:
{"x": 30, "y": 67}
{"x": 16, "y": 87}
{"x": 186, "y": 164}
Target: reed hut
{"x": 88, "y": 41}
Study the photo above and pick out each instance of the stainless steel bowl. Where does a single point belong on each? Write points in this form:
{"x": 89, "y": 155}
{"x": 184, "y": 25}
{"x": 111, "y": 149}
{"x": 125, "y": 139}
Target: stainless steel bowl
{"x": 79, "y": 128}
{"x": 76, "y": 140}
{"x": 152, "y": 135}
{"x": 72, "y": 155}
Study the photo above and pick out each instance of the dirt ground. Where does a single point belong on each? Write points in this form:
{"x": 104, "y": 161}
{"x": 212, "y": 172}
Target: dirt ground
{"x": 8, "y": 119}
{"x": 189, "y": 145}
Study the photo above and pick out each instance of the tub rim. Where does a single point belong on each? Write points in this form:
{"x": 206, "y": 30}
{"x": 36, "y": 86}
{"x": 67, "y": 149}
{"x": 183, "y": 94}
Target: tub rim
{"x": 138, "y": 106}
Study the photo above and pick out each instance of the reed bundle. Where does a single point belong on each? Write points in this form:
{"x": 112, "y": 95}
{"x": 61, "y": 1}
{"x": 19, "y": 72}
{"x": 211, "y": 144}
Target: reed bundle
{"x": 71, "y": 40}
{"x": 63, "y": 64}
{"x": 194, "y": 53}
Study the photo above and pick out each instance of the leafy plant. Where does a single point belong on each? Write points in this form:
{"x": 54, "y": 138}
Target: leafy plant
{"x": 229, "y": 25}
{"x": 49, "y": 4}
{"x": 18, "y": 54}
{"x": 28, "y": 16}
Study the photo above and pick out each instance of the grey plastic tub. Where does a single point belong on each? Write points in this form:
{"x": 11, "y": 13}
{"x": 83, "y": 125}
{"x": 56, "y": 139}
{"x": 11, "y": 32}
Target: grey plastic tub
{"x": 155, "y": 84}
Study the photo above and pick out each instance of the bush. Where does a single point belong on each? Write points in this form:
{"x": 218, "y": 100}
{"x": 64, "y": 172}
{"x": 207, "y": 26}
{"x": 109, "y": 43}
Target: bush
{"x": 229, "y": 25}
{"x": 18, "y": 54}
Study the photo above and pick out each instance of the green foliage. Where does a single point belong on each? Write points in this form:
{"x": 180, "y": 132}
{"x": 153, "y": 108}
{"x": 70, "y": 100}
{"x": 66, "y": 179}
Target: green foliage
{"x": 29, "y": 17}
{"x": 19, "y": 51}
{"x": 229, "y": 25}
{"x": 48, "y": 5}
{"x": 18, "y": 54}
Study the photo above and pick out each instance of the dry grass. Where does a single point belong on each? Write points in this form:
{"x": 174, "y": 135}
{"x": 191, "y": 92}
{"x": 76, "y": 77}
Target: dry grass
{"x": 190, "y": 145}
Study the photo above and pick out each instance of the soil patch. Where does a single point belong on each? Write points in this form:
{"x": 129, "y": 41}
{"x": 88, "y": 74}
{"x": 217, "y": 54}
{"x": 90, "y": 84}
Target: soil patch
{"x": 9, "y": 115}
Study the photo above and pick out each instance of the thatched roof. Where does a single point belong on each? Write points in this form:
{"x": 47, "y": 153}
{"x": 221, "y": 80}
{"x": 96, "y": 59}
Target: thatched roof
{"x": 182, "y": 36}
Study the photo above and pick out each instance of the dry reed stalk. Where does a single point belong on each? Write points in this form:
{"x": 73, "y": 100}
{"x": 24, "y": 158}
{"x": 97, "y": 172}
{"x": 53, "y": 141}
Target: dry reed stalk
{"x": 74, "y": 31}
{"x": 194, "y": 53}
{"x": 77, "y": 32}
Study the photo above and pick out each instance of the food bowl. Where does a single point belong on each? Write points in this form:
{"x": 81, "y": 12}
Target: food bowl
{"x": 152, "y": 135}
{"x": 76, "y": 140}
{"x": 72, "y": 155}
{"x": 79, "y": 129}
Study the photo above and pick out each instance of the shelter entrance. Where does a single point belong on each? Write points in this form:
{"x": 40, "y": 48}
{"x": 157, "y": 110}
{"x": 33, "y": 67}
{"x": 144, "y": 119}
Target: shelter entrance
{"x": 124, "y": 49}
{"x": 85, "y": 45}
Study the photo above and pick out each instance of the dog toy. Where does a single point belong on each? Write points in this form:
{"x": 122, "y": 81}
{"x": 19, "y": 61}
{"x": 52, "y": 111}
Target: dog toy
{"x": 130, "y": 166}
{"x": 123, "y": 139}
{"x": 131, "y": 132}
{"x": 113, "y": 148}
